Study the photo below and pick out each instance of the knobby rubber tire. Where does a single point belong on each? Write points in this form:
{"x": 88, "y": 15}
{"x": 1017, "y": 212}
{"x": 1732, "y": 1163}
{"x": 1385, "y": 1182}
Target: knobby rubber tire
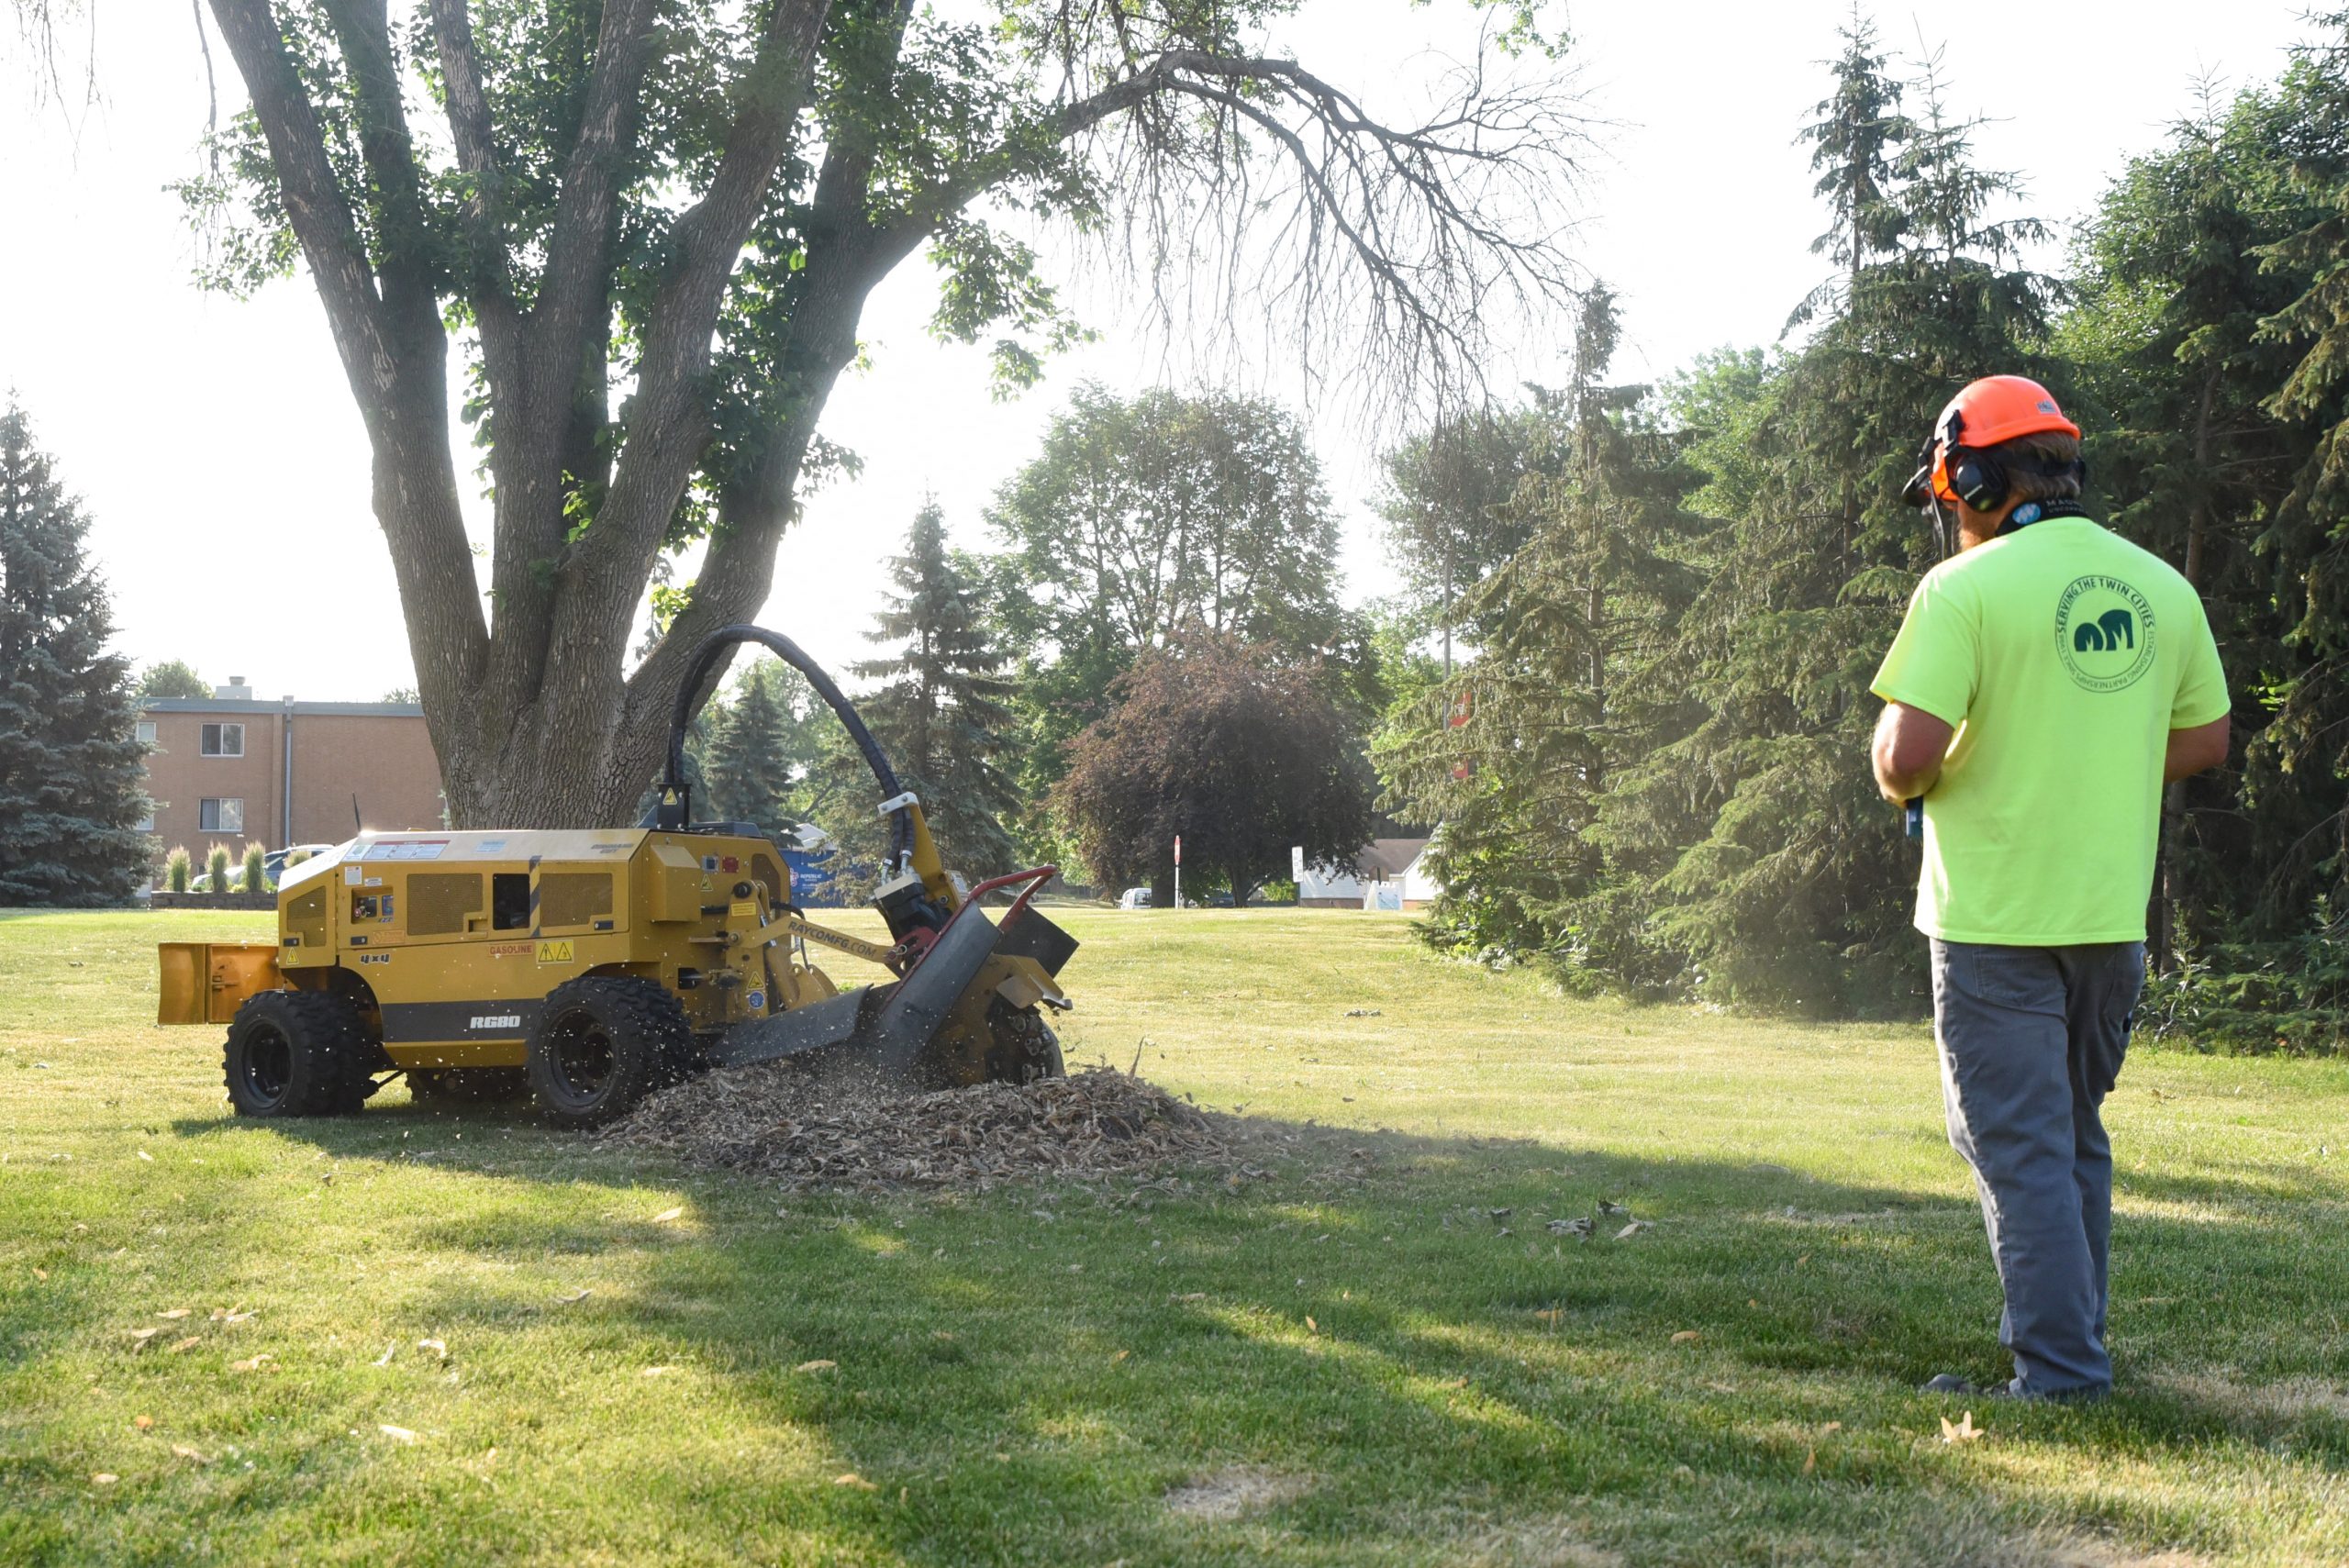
{"x": 1024, "y": 1048}
{"x": 640, "y": 1024}
{"x": 297, "y": 1054}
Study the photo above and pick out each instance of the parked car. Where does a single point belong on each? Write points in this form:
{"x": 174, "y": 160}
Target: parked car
{"x": 274, "y": 861}
{"x": 1134, "y": 898}
{"x": 277, "y": 858}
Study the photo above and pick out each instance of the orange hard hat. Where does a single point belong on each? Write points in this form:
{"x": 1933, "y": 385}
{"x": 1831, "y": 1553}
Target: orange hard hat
{"x": 1985, "y": 413}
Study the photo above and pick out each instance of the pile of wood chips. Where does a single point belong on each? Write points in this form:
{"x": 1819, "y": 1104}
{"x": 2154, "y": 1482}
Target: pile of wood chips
{"x": 782, "y": 1123}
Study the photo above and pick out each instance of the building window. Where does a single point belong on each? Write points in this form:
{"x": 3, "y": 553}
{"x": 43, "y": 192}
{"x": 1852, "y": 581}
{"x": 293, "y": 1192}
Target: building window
{"x": 220, "y": 816}
{"x": 146, "y": 732}
{"x": 224, "y": 740}
{"x": 145, "y": 824}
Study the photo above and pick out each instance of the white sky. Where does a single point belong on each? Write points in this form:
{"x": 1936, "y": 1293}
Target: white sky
{"x": 219, "y": 454}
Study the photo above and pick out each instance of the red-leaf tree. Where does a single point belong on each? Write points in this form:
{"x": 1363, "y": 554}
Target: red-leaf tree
{"x": 1223, "y": 743}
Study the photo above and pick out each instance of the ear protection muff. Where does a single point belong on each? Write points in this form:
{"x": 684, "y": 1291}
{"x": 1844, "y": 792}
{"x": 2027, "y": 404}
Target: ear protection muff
{"x": 1977, "y": 478}
{"x": 1949, "y": 471}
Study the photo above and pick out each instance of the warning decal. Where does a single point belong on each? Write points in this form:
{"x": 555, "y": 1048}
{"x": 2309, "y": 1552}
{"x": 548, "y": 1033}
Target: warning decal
{"x": 554, "y": 953}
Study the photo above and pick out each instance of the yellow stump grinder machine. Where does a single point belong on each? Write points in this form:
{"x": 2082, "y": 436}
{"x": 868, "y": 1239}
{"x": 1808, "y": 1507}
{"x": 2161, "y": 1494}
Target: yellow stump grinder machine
{"x": 587, "y": 968}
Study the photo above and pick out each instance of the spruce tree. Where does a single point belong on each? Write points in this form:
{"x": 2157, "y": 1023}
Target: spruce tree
{"x": 748, "y": 764}
{"x": 2176, "y": 272}
{"x": 942, "y": 713}
{"x": 1520, "y": 756}
{"x": 1800, "y": 892}
{"x": 1858, "y": 132}
{"x": 72, "y": 768}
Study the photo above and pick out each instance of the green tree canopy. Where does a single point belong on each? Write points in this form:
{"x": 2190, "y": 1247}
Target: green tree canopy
{"x": 747, "y": 763}
{"x": 1147, "y": 519}
{"x": 1447, "y": 503}
{"x": 171, "y": 678}
{"x": 647, "y": 229}
{"x": 1526, "y": 755}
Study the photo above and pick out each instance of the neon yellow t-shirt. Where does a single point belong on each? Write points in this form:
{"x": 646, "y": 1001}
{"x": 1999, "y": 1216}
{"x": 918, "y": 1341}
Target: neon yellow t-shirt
{"x": 2063, "y": 655}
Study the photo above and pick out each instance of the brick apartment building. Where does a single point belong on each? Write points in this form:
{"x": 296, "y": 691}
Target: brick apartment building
{"x": 230, "y": 768}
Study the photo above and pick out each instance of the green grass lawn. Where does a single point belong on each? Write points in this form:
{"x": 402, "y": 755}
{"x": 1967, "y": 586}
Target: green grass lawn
{"x": 1348, "y": 1365}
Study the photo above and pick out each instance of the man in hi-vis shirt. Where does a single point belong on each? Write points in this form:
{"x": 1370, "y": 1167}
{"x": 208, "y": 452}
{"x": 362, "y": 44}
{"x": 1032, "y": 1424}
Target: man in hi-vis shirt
{"x": 2048, "y": 680}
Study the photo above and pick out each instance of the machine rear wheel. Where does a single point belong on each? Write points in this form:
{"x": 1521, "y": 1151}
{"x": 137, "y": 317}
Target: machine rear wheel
{"x": 297, "y": 1054}
{"x": 602, "y": 1043}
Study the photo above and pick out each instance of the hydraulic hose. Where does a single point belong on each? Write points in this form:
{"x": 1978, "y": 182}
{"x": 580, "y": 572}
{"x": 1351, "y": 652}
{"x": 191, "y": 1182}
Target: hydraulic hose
{"x": 722, "y": 641}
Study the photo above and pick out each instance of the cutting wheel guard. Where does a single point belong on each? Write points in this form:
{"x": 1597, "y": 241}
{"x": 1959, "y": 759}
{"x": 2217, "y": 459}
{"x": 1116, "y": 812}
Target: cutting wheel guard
{"x": 890, "y": 1025}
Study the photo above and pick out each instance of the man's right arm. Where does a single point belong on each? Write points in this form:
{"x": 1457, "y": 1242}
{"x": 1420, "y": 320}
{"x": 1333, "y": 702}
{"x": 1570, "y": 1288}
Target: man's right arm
{"x": 2195, "y": 750}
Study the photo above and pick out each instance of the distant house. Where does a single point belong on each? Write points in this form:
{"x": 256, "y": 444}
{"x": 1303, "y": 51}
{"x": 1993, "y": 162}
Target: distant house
{"x": 1386, "y": 873}
{"x": 233, "y": 767}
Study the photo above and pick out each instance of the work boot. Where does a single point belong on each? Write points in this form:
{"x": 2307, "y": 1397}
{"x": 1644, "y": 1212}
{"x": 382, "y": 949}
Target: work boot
{"x": 1950, "y": 1382}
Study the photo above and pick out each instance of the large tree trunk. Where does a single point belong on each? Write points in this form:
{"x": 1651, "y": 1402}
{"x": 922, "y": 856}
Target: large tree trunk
{"x": 531, "y": 713}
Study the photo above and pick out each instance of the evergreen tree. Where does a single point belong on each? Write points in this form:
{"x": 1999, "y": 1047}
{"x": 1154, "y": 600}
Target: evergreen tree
{"x": 2174, "y": 276}
{"x": 72, "y": 769}
{"x": 1857, "y": 133}
{"x": 944, "y": 714}
{"x": 747, "y": 761}
{"x": 1798, "y": 891}
{"x": 1518, "y": 758}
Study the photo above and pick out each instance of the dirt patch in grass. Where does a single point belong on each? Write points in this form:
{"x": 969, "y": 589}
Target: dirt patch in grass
{"x": 806, "y": 1131}
{"x": 1538, "y": 1544}
{"x": 1240, "y": 1489}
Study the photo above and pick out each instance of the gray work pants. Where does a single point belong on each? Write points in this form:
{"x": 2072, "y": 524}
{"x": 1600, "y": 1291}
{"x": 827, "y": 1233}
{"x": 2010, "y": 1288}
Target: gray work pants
{"x": 2031, "y": 1042}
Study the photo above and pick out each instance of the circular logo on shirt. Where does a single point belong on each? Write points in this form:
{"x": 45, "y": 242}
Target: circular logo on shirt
{"x": 2104, "y": 633}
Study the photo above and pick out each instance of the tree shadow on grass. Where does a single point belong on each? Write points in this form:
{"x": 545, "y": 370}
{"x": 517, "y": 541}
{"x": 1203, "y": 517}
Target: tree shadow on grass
{"x": 1394, "y": 1369}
